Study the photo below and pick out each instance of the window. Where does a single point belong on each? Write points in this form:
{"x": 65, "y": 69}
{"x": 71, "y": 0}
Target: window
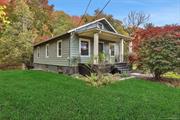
{"x": 100, "y": 25}
{"x": 38, "y": 52}
{"x": 85, "y": 47}
{"x": 112, "y": 50}
{"x": 59, "y": 48}
{"x": 101, "y": 47}
{"x": 47, "y": 50}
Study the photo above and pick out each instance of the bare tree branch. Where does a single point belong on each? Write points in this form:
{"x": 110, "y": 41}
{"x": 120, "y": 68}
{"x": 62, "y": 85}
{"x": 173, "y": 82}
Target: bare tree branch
{"x": 135, "y": 19}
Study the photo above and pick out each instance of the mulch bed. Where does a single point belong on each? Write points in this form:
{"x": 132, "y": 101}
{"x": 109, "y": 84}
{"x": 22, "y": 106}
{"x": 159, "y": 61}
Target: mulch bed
{"x": 10, "y": 66}
{"x": 168, "y": 81}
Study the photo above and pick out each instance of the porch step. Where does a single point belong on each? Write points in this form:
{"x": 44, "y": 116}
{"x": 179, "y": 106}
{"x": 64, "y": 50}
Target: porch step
{"x": 120, "y": 68}
{"x": 85, "y": 69}
{"x": 121, "y": 64}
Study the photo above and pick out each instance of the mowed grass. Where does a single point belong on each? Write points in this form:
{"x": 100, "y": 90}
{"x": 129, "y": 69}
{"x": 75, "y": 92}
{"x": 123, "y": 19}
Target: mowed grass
{"x": 37, "y": 95}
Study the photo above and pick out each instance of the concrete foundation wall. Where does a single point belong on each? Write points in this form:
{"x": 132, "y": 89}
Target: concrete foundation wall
{"x": 57, "y": 69}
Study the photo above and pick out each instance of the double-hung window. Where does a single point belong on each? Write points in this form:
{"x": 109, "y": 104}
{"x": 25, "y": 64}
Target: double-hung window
{"x": 85, "y": 47}
{"x": 59, "y": 48}
{"x": 47, "y": 50}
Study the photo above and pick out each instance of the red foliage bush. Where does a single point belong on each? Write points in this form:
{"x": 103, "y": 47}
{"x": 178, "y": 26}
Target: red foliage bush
{"x": 145, "y": 34}
{"x": 3, "y": 2}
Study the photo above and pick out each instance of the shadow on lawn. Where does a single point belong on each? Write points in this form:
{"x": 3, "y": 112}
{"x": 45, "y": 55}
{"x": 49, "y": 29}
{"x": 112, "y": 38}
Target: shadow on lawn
{"x": 172, "y": 82}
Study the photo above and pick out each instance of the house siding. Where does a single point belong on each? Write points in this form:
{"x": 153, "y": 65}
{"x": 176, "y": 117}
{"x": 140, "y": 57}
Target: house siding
{"x": 70, "y": 51}
{"x": 74, "y": 50}
{"x": 53, "y": 59}
{"x": 75, "y": 53}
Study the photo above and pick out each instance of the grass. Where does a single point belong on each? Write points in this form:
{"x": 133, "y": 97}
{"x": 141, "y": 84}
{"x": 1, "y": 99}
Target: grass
{"x": 36, "y": 95}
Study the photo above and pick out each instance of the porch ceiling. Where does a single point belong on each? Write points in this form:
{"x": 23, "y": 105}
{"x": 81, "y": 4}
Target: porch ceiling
{"x": 104, "y": 35}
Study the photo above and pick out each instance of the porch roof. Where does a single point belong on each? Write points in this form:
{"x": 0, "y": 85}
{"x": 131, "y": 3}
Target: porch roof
{"x": 103, "y": 34}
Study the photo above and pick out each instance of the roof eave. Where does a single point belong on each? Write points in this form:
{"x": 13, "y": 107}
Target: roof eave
{"x": 36, "y": 44}
{"x": 100, "y": 30}
{"x": 72, "y": 30}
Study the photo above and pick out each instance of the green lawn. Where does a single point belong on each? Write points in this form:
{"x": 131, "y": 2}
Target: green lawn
{"x": 36, "y": 95}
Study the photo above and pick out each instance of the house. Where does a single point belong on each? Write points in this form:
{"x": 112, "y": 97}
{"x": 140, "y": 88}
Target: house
{"x": 83, "y": 44}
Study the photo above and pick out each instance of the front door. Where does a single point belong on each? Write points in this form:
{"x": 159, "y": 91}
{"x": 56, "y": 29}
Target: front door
{"x": 112, "y": 52}
{"x": 101, "y": 47}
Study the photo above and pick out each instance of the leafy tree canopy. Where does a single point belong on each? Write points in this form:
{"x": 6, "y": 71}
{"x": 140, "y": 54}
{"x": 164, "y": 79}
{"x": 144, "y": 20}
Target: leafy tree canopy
{"x": 157, "y": 49}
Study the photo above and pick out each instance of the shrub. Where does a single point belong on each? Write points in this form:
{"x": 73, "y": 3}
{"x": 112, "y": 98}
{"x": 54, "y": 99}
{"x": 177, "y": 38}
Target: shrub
{"x": 156, "y": 49}
{"x": 98, "y": 79}
{"x": 172, "y": 75}
{"x": 124, "y": 74}
{"x": 159, "y": 55}
{"x": 102, "y": 57}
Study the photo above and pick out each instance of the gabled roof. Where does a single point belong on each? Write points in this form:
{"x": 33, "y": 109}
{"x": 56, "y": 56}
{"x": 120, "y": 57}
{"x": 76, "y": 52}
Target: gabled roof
{"x": 72, "y": 30}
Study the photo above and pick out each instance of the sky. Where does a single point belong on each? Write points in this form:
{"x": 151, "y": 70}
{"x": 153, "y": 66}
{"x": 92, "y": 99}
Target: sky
{"x": 161, "y": 12}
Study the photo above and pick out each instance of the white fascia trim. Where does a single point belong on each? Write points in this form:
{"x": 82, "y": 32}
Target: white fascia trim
{"x": 92, "y": 23}
{"x": 110, "y": 25}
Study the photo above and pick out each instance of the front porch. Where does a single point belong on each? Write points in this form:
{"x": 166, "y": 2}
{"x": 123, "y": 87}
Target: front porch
{"x": 96, "y": 43}
{"x": 88, "y": 69}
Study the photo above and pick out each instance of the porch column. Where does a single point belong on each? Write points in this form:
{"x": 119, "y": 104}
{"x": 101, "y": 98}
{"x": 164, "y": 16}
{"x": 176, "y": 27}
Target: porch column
{"x": 96, "y": 48}
{"x": 130, "y": 47}
{"x": 121, "y": 50}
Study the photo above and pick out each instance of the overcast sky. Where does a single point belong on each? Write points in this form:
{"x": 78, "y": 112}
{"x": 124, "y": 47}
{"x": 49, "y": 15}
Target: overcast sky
{"x": 162, "y": 11}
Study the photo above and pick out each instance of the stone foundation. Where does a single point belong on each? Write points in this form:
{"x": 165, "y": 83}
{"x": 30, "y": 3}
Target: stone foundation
{"x": 58, "y": 69}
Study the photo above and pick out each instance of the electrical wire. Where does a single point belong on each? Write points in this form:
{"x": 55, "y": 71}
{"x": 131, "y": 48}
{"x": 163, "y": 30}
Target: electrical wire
{"x": 85, "y": 12}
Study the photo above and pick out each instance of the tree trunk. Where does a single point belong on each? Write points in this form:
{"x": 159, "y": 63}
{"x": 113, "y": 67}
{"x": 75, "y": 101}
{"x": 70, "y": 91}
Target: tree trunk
{"x": 157, "y": 75}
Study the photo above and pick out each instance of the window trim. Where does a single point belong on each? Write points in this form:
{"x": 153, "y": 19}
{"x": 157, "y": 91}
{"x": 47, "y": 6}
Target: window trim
{"x": 60, "y": 41}
{"x": 114, "y": 49}
{"x": 89, "y": 48}
{"x": 99, "y": 23}
{"x": 47, "y": 50}
{"x": 38, "y": 52}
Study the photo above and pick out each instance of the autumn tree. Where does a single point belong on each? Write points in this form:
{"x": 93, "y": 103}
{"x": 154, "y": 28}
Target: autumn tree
{"x": 4, "y": 2}
{"x": 42, "y": 18}
{"x": 76, "y": 21}
{"x": 148, "y": 25}
{"x": 134, "y": 20}
{"x": 3, "y": 16}
{"x": 157, "y": 49}
{"x": 61, "y": 22}
{"x": 16, "y": 40}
